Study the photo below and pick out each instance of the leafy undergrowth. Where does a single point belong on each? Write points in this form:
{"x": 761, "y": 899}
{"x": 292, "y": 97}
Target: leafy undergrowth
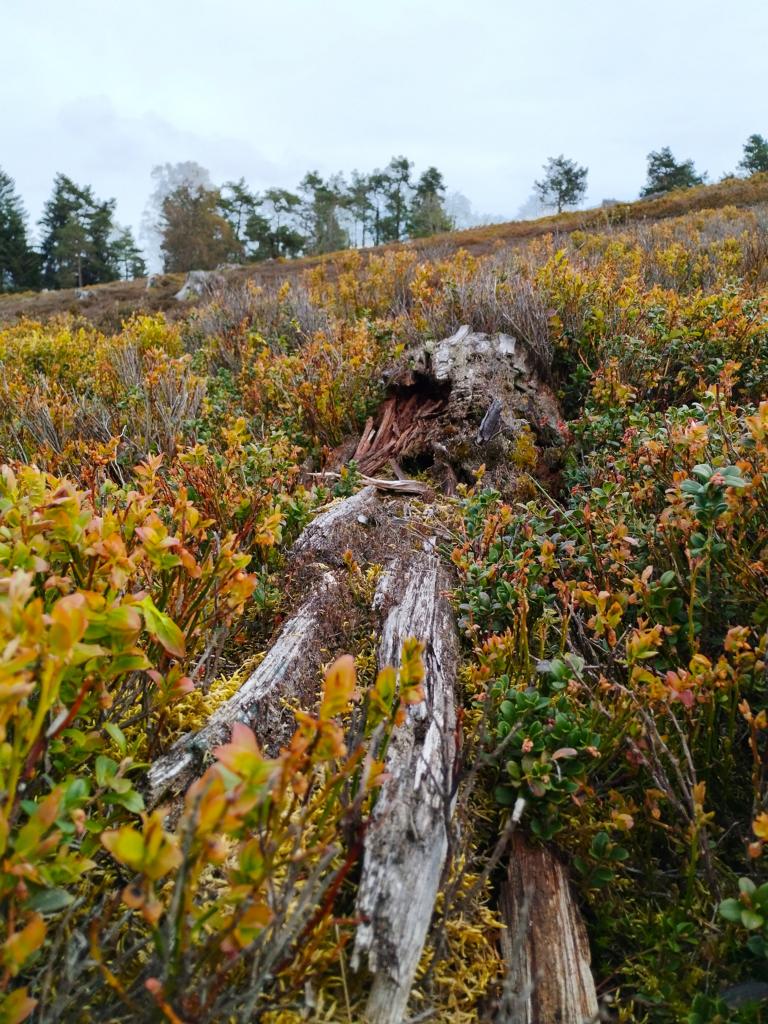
{"x": 615, "y": 623}
{"x": 619, "y": 641}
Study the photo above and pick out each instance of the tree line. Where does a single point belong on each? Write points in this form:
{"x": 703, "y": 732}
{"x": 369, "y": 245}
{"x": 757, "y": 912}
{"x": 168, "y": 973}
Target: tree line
{"x": 564, "y": 183}
{"x": 81, "y": 242}
{"x": 200, "y": 225}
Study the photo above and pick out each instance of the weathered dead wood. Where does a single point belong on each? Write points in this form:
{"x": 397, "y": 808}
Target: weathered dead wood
{"x": 290, "y": 665}
{"x": 407, "y": 841}
{"x": 275, "y": 678}
{"x": 322, "y": 534}
{"x": 545, "y": 943}
{"x": 471, "y": 395}
{"x": 366, "y": 439}
{"x": 401, "y": 485}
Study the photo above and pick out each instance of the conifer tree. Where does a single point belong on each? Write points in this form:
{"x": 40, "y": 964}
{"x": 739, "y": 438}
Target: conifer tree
{"x": 274, "y": 231}
{"x": 19, "y": 263}
{"x": 127, "y": 255}
{"x": 238, "y": 204}
{"x": 427, "y": 215}
{"x": 360, "y": 207}
{"x": 321, "y": 203}
{"x": 755, "y": 158}
{"x": 397, "y": 188}
{"x": 564, "y": 183}
{"x": 77, "y": 241}
{"x": 666, "y": 174}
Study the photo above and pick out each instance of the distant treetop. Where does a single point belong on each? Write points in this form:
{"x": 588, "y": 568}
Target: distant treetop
{"x": 564, "y": 184}
{"x": 665, "y": 174}
{"x": 755, "y": 158}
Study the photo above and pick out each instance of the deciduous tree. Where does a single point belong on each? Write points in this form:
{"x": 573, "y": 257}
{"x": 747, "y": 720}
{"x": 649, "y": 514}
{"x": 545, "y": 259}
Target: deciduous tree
{"x": 195, "y": 234}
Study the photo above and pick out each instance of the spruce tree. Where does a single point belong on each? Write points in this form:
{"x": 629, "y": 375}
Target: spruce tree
{"x": 19, "y": 263}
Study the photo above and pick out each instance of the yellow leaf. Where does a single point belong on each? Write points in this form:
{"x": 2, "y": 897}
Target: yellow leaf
{"x": 21, "y": 945}
{"x": 338, "y": 687}
{"x": 16, "y": 1006}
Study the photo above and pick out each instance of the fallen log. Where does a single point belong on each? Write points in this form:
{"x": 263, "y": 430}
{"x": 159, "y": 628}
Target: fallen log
{"x": 407, "y": 841}
{"x": 259, "y": 702}
{"x": 291, "y": 666}
{"x": 544, "y": 943}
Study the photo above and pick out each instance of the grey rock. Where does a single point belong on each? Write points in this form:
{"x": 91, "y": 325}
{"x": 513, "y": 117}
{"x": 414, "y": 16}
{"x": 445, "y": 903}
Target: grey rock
{"x": 199, "y": 283}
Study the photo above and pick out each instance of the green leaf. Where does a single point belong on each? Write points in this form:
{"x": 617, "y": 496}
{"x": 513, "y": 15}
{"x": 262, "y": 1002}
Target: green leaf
{"x": 50, "y": 900}
{"x": 730, "y": 909}
{"x": 600, "y": 877}
{"x": 751, "y": 920}
{"x": 117, "y": 735}
{"x": 163, "y": 629}
{"x": 131, "y": 801}
{"x": 105, "y": 770}
{"x": 505, "y": 795}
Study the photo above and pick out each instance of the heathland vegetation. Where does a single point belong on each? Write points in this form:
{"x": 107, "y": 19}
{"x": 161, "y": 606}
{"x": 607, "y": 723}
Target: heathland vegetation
{"x": 611, "y": 603}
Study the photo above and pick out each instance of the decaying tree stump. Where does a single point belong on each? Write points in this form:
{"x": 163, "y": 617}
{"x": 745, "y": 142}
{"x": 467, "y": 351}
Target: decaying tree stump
{"x": 454, "y": 405}
{"x": 545, "y": 944}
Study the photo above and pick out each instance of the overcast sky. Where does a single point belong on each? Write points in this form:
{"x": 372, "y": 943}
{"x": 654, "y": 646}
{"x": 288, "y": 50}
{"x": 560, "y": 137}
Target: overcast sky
{"x": 267, "y": 89}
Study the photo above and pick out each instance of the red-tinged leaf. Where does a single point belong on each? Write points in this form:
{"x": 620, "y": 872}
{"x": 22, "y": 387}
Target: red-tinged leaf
{"x": 123, "y": 624}
{"x": 564, "y": 752}
{"x": 68, "y": 623}
{"x": 183, "y": 685}
{"x": 243, "y": 757}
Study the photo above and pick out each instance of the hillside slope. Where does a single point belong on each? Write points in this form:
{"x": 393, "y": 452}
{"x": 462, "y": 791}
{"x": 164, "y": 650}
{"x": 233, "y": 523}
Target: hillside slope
{"x": 108, "y": 304}
{"x": 392, "y": 644}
